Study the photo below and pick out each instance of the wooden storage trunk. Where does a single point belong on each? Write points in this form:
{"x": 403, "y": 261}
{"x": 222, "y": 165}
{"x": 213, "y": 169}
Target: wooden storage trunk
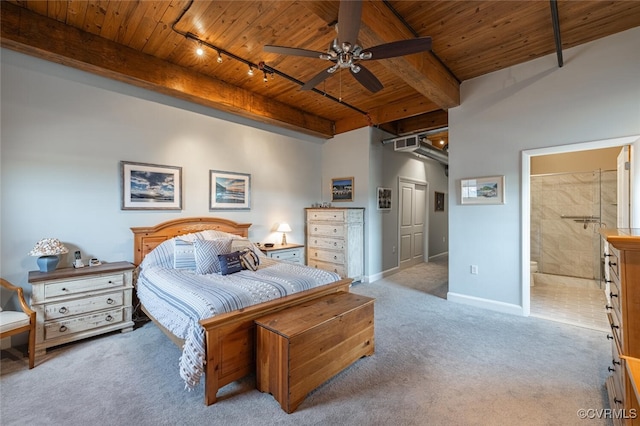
{"x": 300, "y": 348}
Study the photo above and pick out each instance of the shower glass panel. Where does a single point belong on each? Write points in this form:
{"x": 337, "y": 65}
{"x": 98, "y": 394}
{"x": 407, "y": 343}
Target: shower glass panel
{"x": 567, "y": 211}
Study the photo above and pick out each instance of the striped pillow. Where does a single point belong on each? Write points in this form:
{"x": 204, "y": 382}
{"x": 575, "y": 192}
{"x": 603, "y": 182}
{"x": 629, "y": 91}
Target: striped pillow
{"x": 183, "y": 255}
{"x": 206, "y": 254}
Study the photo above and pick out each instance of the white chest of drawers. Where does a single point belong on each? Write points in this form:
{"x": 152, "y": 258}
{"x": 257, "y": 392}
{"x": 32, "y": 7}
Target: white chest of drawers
{"x": 73, "y": 304}
{"x": 335, "y": 240}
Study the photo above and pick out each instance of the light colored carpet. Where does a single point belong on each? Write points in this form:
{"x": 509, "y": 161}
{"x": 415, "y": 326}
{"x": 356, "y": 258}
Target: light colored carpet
{"x": 436, "y": 363}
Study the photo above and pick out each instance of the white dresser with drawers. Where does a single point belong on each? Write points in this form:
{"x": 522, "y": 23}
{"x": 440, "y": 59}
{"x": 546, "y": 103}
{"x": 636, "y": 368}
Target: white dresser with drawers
{"x": 73, "y": 304}
{"x": 335, "y": 240}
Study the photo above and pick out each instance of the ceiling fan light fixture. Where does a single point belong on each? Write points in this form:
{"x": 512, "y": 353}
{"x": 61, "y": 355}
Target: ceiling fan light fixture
{"x": 355, "y": 68}
{"x": 325, "y": 56}
{"x": 333, "y": 69}
{"x": 365, "y": 55}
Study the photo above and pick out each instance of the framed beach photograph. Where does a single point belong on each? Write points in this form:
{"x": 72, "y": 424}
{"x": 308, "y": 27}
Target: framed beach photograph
{"x": 439, "y": 201}
{"x": 342, "y": 189}
{"x": 229, "y": 190}
{"x": 150, "y": 186}
{"x": 384, "y": 198}
{"x": 482, "y": 190}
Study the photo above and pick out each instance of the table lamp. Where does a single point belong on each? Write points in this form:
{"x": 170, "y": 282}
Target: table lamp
{"x": 284, "y": 228}
{"x": 49, "y": 250}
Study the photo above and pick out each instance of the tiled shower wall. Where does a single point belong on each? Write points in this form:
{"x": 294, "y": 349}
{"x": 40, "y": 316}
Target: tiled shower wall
{"x": 564, "y": 246}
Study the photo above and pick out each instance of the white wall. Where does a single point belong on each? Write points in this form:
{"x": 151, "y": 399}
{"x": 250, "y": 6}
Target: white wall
{"x": 64, "y": 132}
{"x": 594, "y": 96}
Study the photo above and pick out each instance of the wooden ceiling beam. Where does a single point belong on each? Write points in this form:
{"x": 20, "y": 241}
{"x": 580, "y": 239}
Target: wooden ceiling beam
{"x": 423, "y": 122}
{"x": 45, "y": 38}
{"x": 408, "y": 107}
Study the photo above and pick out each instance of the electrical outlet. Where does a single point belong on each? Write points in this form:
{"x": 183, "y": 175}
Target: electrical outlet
{"x": 474, "y": 269}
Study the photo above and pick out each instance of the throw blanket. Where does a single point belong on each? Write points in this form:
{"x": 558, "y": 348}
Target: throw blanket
{"x": 179, "y": 299}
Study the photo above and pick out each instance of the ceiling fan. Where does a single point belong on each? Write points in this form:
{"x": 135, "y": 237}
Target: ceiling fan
{"x": 344, "y": 51}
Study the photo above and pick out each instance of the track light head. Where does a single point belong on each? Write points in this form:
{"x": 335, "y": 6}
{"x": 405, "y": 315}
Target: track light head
{"x": 219, "y": 58}
{"x": 250, "y": 72}
{"x": 199, "y": 49}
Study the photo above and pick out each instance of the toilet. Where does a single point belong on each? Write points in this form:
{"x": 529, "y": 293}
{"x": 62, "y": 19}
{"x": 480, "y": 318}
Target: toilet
{"x": 534, "y": 269}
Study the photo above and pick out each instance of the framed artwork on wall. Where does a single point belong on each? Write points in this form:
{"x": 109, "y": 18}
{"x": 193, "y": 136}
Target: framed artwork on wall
{"x": 384, "y": 198}
{"x": 150, "y": 186}
{"x": 342, "y": 189}
{"x": 229, "y": 190}
{"x": 439, "y": 201}
{"x": 482, "y": 190}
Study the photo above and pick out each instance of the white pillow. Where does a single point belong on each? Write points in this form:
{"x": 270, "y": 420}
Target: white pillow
{"x": 206, "y": 254}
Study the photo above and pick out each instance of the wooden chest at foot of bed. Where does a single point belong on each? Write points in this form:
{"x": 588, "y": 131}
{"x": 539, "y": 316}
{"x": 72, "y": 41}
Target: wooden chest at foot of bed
{"x": 300, "y": 348}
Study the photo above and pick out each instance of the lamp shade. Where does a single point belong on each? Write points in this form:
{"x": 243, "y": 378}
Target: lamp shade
{"x": 48, "y": 247}
{"x": 284, "y": 227}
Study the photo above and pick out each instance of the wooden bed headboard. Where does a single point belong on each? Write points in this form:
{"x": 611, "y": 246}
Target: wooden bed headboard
{"x": 146, "y": 239}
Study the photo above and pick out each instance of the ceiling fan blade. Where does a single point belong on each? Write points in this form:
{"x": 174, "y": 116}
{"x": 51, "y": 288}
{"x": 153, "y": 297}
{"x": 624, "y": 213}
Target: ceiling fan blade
{"x": 349, "y": 16}
{"x": 320, "y": 77}
{"x": 292, "y": 51}
{"x": 367, "y": 79}
{"x": 400, "y": 48}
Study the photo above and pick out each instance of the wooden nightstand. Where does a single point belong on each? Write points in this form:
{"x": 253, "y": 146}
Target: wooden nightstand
{"x": 289, "y": 252}
{"x": 73, "y": 304}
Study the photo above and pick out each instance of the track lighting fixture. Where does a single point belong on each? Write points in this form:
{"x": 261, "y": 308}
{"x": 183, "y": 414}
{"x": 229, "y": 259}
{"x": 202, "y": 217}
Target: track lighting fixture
{"x": 250, "y": 72}
{"x": 219, "y": 58}
{"x": 264, "y": 76}
{"x": 199, "y": 50}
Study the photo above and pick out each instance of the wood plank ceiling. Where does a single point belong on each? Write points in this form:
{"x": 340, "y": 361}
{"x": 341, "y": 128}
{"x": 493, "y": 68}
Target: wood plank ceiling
{"x": 152, "y": 44}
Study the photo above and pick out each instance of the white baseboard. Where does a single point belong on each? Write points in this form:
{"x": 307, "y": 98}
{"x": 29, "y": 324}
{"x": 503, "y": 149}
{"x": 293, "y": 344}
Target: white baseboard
{"x": 494, "y": 305}
{"x": 435, "y": 256}
{"x": 381, "y": 275}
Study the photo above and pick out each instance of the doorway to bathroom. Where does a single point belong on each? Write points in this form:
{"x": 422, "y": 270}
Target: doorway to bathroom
{"x": 569, "y": 205}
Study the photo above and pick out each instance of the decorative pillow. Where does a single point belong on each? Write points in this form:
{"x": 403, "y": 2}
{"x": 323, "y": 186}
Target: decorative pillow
{"x": 249, "y": 259}
{"x": 230, "y": 263}
{"x": 183, "y": 255}
{"x": 206, "y": 254}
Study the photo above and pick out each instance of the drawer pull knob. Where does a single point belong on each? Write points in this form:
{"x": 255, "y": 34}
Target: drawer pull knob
{"x": 612, "y": 264}
{"x": 614, "y": 362}
{"x": 63, "y": 310}
{"x": 614, "y": 326}
{"x": 608, "y": 307}
{"x": 335, "y": 230}
{"x": 617, "y": 401}
{"x": 315, "y": 229}
{"x": 315, "y": 241}
{"x": 109, "y": 318}
{"x": 609, "y": 337}
{"x": 62, "y": 329}
{"x": 612, "y": 295}
{"x": 608, "y": 255}
{"x": 335, "y": 257}
{"x": 64, "y": 289}
{"x": 110, "y": 301}
{"x": 611, "y": 369}
{"x": 335, "y": 243}
{"x": 110, "y": 282}
{"x": 608, "y": 281}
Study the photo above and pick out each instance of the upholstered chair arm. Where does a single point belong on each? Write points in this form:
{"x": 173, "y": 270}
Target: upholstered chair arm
{"x": 23, "y": 303}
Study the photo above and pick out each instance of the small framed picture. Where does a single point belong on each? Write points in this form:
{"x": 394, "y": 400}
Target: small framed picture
{"x": 229, "y": 190}
{"x": 150, "y": 186}
{"x": 342, "y": 189}
{"x": 439, "y": 201}
{"x": 482, "y": 190}
{"x": 384, "y": 198}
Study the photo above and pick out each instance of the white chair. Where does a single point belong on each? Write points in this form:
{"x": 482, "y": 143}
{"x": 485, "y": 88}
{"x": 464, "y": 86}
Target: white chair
{"x": 14, "y": 322}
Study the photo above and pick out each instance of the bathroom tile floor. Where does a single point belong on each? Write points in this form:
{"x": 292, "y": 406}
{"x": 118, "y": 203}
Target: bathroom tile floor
{"x": 583, "y": 307}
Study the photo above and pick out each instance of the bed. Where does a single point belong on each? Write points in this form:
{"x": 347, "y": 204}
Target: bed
{"x": 229, "y": 337}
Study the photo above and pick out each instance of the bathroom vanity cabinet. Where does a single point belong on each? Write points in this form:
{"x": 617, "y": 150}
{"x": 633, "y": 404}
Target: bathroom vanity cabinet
{"x": 622, "y": 260}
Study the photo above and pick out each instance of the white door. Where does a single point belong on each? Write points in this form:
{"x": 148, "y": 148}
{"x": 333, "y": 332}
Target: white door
{"x": 413, "y": 215}
{"x": 624, "y": 187}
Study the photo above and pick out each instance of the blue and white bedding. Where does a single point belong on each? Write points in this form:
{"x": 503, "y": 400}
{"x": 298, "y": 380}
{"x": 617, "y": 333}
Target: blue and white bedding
{"x": 178, "y": 297}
